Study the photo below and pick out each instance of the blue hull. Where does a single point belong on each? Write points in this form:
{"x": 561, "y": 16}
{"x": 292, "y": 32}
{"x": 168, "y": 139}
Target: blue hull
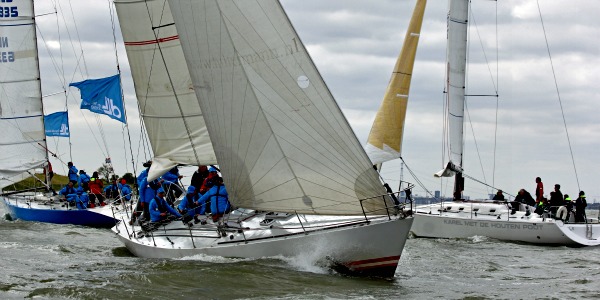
{"x": 57, "y": 216}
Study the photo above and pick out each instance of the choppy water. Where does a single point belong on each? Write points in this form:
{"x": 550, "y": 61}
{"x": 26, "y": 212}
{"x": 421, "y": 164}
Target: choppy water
{"x": 46, "y": 261}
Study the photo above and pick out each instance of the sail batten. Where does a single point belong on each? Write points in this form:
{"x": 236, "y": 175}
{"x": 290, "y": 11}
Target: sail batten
{"x": 281, "y": 140}
{"x": 385, "y": 139}
{"x": 22, "y": 142}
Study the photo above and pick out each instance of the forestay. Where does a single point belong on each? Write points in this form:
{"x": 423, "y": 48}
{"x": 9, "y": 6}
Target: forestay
{"x": 164, "y": 90}
{"x": 282, "y": 142}
{"x": 22, "y": 142}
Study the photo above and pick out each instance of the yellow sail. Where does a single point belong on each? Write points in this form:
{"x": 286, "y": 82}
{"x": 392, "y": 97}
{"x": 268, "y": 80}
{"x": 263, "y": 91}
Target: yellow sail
{"x": 385, "y": 138}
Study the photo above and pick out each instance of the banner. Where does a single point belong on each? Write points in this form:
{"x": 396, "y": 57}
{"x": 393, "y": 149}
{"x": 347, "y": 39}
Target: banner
{"x": 57, "y": 124}
{"x": 102, "y": 96}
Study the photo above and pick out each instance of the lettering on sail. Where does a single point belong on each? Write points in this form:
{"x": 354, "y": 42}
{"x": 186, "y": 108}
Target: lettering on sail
{"x": 500, "y": 226}
{"x": 5, "y": 56}
{"x": 261, "y": 56}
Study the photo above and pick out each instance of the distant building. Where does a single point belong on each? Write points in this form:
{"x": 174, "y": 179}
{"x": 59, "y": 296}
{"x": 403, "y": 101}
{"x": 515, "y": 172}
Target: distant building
{"x": 438, "y": 194}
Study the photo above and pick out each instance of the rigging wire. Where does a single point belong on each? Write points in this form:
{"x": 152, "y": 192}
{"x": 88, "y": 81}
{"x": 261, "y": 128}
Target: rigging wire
{"x": 558, "y": 94}
{"x": 125, "y": 126}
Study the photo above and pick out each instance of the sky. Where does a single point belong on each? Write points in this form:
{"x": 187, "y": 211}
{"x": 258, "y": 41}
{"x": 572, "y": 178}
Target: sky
{"x": 509, "y": 140}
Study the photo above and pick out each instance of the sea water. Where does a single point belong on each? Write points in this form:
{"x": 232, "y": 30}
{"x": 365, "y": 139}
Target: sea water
{"x": 46, "y": 261}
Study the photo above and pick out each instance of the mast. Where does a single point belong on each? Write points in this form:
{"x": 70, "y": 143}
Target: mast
{"x": 456, "y": 65}
{"x": 39, "y": 83}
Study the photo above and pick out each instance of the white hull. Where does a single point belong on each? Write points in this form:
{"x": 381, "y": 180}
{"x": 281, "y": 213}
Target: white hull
{"x": 349, "y": 244}
{"x": 468, "y": 219}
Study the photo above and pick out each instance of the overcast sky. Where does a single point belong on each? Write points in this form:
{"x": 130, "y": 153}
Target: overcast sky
{"x": 354, "y": 43}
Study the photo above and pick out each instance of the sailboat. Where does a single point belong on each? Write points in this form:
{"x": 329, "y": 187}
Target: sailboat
{"x": 496, "y": 219}
{"x": 23, "y": 142}
{"x": 299, "y": 180}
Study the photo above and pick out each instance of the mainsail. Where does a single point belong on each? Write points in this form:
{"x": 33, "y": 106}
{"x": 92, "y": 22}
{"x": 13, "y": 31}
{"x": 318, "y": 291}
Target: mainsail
{"x": 385, "y": 139}
{"x": 281, "y": 140}
{"x": 22, "y": 142}
{"x": 164, "y": 90}
{"x": 456, "y": 66}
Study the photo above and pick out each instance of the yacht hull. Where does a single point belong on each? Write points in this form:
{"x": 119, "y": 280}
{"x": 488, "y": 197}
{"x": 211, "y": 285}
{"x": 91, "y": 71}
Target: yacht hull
{"x": 435, "y": 222}
{"x": 347, "y": 245}
{"x": 37, "y": 211}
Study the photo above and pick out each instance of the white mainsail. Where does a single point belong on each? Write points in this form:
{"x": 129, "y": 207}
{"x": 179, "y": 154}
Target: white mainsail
{"x": 385, "y": 139}
{"x": 164, "y": 90}
{"x": 22, "y": 142}
{"x": 457, "y": 61}
{"x": 281, "y": 140}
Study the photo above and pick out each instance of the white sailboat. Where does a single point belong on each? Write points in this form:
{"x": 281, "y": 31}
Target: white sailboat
{"x": 496, "y": 219}
{"x": 292, "y": 166}
{"x": 23, "y": 141}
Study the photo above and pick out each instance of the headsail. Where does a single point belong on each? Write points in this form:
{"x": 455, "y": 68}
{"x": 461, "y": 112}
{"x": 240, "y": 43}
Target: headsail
{"x": 164, "y": 90}
{"x": 385, "y": 139}
{"x": 456, "y": 64}
{"x": 22, "y": 142}
{"x": 282, "y": 142}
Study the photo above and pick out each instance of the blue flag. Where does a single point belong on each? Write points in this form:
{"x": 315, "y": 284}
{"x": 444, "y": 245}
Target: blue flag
{"x": 57, "y": 124}
{"x": 102, "y": 96}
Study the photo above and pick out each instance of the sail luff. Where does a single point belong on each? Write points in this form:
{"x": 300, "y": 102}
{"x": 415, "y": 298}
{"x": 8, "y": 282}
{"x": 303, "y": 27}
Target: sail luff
{"x": 281, "y": 140}
{"x": 385, "y": 139}
{"x": 22, "y": 142}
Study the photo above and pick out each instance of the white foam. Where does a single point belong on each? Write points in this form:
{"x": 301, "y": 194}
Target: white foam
{"x": 215, "y": 259}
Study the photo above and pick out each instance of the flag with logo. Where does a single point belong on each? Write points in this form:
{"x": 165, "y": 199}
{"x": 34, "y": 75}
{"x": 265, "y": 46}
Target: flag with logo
{"x": 102, "y": 96}
{"x": 57, "y": 124}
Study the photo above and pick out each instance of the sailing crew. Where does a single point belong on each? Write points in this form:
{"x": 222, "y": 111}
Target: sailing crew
{"x": 208, "y": 183}
{"x": 198, "y": 177}
{"x": 125, "y": 189}
{"x": 580, "y": 205}
{"x": 112, "y": 191}
{"x": 556, "y": 199}
{"x": 82, "y": 199}
{"x": 188, "y": 206}
{"x": 218, "y": 198}
{"x": 147, "y": 193}
{"x": 539, "y": 191}
{"x": 499, "y": 196}
{"x": 524, "y": 196}
{"x": 160, "y": 210}
{"x": 96, "y": 185}
{"x": 569, "y": 205}
{"x": 73, "y": 177}
{"x": 171, "y": 185}
{"x": 84, "y": 180}
{"x": 70, "y": 193}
